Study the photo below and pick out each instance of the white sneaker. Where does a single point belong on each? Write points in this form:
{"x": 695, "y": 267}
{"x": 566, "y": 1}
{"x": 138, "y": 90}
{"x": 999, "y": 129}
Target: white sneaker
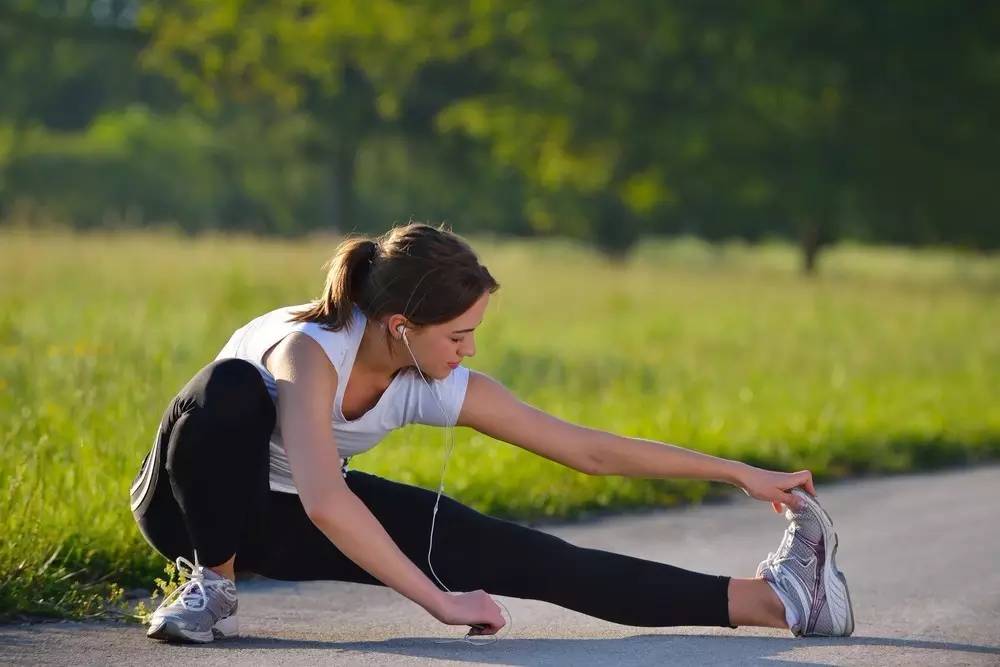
{"x": 200, "y": 610}
{"x": 805, "y": 570}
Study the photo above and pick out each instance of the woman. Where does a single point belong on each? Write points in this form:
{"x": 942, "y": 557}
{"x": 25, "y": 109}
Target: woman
{"x": 243, "y": 472}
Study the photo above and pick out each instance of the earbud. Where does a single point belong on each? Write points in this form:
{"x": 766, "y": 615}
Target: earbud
{"x": 401, "y": 329}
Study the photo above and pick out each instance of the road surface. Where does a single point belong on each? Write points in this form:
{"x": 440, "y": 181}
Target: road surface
{"x": 921, "y": 554}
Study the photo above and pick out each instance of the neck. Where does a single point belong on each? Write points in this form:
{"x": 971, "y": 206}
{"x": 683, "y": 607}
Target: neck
{"x": 375, "y": 358}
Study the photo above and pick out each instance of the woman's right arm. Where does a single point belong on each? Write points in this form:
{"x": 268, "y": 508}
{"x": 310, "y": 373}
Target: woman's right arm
{"x": 307, "y": 383}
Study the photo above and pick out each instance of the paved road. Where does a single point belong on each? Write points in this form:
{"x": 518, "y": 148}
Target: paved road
{"x": 921, "y": 553}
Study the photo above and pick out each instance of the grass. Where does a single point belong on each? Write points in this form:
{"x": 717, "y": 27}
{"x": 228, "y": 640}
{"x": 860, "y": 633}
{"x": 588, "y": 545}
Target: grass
{"x": 887, "y": 361}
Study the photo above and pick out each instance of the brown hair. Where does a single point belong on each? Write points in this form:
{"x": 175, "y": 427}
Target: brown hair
{"x": 429, "y": 274}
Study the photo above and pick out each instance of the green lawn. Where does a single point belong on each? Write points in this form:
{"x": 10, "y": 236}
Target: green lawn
{"x": 889, "y": 360}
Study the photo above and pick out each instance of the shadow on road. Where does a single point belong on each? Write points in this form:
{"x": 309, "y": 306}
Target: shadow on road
{"x": 605, "y": 651}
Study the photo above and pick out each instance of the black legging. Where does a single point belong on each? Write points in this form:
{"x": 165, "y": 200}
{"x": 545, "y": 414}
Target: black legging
{"x": 208, "y": 488}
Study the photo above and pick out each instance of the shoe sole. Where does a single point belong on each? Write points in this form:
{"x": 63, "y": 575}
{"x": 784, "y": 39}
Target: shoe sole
{"x": 835, "y": 583}
{"x": 169, "y": 631}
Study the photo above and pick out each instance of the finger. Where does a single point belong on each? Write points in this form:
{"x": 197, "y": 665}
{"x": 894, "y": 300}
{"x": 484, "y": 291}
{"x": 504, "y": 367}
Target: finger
{"x": 776, "y": 506}
{"x": 791, "y": 501}
{"x": 803, "y": 479}
{"x": 809, "y": 483}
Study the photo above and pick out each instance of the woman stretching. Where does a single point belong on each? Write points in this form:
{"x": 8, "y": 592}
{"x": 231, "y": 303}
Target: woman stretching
{"x": 248, "y": 470}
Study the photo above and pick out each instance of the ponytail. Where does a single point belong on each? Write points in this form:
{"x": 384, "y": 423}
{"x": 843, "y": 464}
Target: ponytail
{"x": 347, "y": 270}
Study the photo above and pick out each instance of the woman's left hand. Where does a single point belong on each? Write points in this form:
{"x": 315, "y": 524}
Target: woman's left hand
{"x": 774, "y": 486}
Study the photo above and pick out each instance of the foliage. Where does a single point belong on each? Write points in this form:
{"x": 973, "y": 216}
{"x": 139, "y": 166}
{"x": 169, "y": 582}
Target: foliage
{"x": 606, "y": 123}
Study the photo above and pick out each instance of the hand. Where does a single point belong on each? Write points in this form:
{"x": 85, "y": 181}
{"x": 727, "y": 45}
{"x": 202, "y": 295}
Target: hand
{"x": 773, "y": 486}
{"x": 472, "y": 608}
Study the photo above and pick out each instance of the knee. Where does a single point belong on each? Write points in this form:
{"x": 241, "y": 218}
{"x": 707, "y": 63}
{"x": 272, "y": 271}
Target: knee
{"x": 232, "y": 391}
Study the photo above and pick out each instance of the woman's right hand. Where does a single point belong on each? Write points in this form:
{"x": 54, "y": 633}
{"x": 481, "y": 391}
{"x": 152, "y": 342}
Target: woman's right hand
{"x": 472, "y": 608}
{"x": 775, "y": 486}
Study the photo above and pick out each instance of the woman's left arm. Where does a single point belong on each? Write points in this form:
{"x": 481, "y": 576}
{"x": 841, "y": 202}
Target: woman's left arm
{"x": 492, "y": 409}
{"x": 638, "y": 457}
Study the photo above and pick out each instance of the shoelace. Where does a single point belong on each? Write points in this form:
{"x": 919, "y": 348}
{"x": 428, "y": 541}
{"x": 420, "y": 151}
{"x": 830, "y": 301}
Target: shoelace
{"x": 781, "y": 555}
{"x": 192, "y": 593}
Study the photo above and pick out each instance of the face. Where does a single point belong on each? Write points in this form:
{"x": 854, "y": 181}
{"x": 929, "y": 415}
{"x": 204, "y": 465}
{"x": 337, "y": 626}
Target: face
{"x": 437, "y": 345}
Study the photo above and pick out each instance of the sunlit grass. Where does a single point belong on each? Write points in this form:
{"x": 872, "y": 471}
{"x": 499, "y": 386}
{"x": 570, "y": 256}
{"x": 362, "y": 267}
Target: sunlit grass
{"x": 886, "y": 361}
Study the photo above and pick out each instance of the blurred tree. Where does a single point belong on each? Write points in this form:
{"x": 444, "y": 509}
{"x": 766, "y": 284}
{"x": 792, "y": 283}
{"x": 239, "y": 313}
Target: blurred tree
{"x": 94, "y": 138}
{"x": 877, "y": 120}
{"x": 811, "y": 122}
{"x": 61, "y": 64}
{"x": 353, "y": 66}
{"x": 926, "y": 76}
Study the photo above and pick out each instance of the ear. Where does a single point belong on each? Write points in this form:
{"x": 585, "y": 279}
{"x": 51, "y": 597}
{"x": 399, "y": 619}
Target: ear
{"x": 393, "y": 324}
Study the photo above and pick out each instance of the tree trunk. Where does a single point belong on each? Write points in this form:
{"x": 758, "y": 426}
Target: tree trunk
{"x": 7, "y": 194}
{"x": 810, "y": 241}
{"x": 342, "y": 197}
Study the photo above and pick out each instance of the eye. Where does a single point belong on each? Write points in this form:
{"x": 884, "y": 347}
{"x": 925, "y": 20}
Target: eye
{"x": 456, "y": 340}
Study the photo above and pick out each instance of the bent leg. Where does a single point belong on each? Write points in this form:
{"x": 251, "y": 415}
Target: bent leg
{"x": 472, "y": 550}
{"x": 206, "y": 475}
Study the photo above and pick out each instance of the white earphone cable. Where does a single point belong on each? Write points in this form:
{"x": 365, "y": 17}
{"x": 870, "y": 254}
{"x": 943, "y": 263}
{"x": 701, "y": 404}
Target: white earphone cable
{"x": 449, "y": 435}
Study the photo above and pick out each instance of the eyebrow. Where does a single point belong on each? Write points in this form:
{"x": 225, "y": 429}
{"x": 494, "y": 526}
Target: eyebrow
{"x": 465, "y": 330}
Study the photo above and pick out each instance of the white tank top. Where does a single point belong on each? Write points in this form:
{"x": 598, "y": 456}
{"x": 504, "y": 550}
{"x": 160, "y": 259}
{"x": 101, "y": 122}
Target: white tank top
{"x": 406, "y": 400}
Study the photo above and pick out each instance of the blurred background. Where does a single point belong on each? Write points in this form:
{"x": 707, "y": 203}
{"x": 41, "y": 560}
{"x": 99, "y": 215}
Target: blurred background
{"x": 605, "y": 122}
{"x": 762, "y": 230}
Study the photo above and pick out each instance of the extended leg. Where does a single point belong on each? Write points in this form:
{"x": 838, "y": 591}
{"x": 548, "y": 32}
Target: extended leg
{"x": 473, "y": 550}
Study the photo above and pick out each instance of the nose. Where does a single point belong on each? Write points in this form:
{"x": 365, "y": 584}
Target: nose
{"x": 470, "y": 349}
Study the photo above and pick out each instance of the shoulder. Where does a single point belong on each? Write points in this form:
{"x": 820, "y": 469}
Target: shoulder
{"x": 298, "y": 356}
{"x": 335, "y": 345}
